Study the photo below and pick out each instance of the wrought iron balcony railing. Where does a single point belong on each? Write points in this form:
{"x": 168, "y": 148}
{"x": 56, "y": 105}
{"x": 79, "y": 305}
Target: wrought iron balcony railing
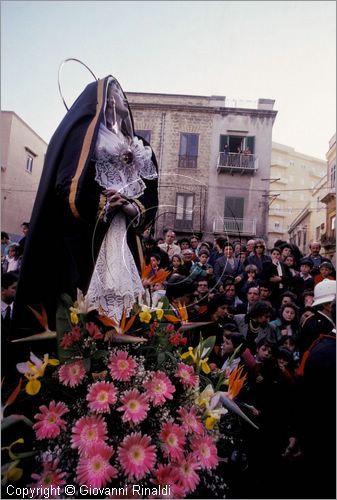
{"x": 231, "y": 225}
{"x": 237, "y": 162}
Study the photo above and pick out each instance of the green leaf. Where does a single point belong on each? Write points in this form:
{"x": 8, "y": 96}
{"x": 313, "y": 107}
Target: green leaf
{"x": 208, "y": 343}
{"x": 232, "y": 406}
{"x": 99, "y": 354}
{"x": 13, "y": 419}
{"x": 87, "y": 364}
{"x": 161, "y": 358}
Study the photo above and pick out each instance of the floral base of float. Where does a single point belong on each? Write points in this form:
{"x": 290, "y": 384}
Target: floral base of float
{"x": 145, "y": 413}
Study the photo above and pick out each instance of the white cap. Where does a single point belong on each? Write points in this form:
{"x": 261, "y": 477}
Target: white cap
{"x": 324, "y": 292}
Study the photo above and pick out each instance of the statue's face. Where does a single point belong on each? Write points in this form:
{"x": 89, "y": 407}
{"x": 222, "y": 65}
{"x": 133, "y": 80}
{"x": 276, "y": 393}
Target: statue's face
{"x": 115, "y": 96}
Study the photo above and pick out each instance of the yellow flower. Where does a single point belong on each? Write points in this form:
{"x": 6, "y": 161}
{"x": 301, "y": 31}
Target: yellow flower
{"x": 205, "y": 396}
{"x": 73, "y": 318}
{"x": 33, "y": 370}
{"x": 145, "y": 316}
{"x": 188, "y": 354}
{"x": 204, "y": 366}
{"x": 159, "y": 314}
{"x": 10, "y": 472}
{"x": 210, "y": 422}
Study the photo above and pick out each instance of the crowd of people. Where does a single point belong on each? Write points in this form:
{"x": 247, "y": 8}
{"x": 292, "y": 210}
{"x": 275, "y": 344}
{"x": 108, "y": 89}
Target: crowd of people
{"x": 273, "y": 314}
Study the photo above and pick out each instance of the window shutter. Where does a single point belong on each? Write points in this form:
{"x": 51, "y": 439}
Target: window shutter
{"x": 250, "y": 143}
{"x": 234, "y": 207}
{"x": 223, "y": 141}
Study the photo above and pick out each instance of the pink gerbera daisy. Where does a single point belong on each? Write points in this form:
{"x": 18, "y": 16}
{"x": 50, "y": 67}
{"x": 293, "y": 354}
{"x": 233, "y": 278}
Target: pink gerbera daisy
{"x": 122, "y": 366}
{"x": 137, "y": 455}
{"x": 87, "y": 431}
{"x": 100, "y": 396}
{"x": 186, "y": 375}
{"x": 205, "y": 451}
{"x": 173, "y": 439}
{"x": 72, "y": 374}
{"x": 166, "y": 475}
{"x": 188, "y": 478}
{"x": 191, "y": 422}
{"x": 94, "y": 468}
{"x": 135, "y": 406}
{"x": 159, "y": 388}
{"x": 50, "y": 421}
{"x": 50, "y": 477}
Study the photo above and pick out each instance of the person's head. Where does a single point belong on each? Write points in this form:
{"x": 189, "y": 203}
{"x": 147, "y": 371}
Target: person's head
{"x": 324, "y": 295}
{"x": 275, "y": 254}
{"x": 253, "y": 295}
{"x": 290, "y": 261}
{"x": 184, "y": 243}
{"x": 289, "y": 313}
{"x": 288, "y": 341}
{"x": 13, "y": 251}
{"x": 169, "y": 236}
{"x": 4, "y": 237}
{"x": 228, "y": 251}
{"x": 305, "y": 266}
{"x": 288, "y": 298}
{"x": 308, "y": 298}
{"x": 265, "y": 290}
{"x": 25, "y": 228}
{"x": 315, "y": 248}
{"x": 204, "y": 246}
{"x": 250, "y": 245}
{"x": 229, "y": 289}
{"x": 194, "y": 242}
{"x": 286, "y": 250}
{"x": 219, "y": 243}
{"x": 231, "y": 339}
{"x": 242, "y": 255}
{"x": 325, "y": 269}
{"x": 178, "y": 287}
{"x": 237, "y": 247}
{"x": 159, "y": 241}
{"x": 284, "y": 358}
{"x": 264, "y": 350}
{"x": 203, "y": 256}
{"x": 261, "y": 312}
{"x": 155, "y": 260}
{"x": 8, "y": 287}
{"x": 187, "y": 255}
{"x": 202, "y": 286}
{"x": 177, "y": 261}
{"x": 220, "y": 307}
{"x": 259, "y": 246}
{"x": 251, "y": 271}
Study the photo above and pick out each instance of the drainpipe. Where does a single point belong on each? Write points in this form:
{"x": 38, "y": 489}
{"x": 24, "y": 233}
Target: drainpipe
{"x": 161, "y": 152}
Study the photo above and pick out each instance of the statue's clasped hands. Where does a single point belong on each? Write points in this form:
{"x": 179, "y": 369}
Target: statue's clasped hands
{"x": 116, "y": 200}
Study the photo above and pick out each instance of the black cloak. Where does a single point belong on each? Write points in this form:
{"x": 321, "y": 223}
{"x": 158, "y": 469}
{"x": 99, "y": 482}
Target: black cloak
{"x": 67, "y": 225}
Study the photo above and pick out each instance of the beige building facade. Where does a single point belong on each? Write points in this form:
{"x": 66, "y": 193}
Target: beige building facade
{"x": 295, "y": 178}
{"x": 214, "y": 162}
{"x": 328, "y": 238}
{"x": 22, "y": 157}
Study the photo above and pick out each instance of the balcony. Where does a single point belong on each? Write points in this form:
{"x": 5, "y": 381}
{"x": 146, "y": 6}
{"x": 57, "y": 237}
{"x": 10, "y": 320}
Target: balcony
{"x": 237, "y": 162}
{"x": 329, "y": 240}
{"x": 187, "y": 161}
{"x": 231, "y": 225}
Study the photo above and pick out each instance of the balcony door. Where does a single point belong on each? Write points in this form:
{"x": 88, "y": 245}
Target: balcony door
{"x": 234, "y": 210}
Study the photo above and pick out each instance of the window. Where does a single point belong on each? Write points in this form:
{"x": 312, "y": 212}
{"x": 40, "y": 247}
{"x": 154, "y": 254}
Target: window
{"x": 145, "y": 134}
{"x": 188, "y": 151}
{"x": 299, "y": 238}
{"x": 234, "y": 209}
{"x": 184, "y": 211}
{"x": 29, "y": 163}
{"x": 333, "y": 223}
{"x": 333, "y": 175}
{"x": 234, "y": 142}
{"x": 276, "y": 225}
{"x": 304, "y": 237}
{"x": 318, "y": 233}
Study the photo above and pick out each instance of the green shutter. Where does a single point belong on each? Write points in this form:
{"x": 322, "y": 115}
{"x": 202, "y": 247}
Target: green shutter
{"x": 223, "y": 141}
{"x": 250, "y": 143}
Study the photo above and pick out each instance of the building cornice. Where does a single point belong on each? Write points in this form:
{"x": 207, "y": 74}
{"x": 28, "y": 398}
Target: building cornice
{"x": 25, "y": 124}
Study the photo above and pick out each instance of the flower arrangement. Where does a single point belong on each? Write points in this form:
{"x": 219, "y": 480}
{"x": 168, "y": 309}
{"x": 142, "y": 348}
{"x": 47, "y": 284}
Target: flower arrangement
{"x": 136, "y": 419}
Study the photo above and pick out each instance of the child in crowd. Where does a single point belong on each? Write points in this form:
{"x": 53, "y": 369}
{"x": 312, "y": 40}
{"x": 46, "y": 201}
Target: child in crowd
{"x": 287, "y": 324}
{"x": 325, "y": 272}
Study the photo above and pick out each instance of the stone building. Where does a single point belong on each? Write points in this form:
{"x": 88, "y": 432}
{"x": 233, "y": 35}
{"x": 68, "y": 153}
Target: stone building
{"x": 214, "y": 162}
{"x": 328, "y": 238}
{"x": 294, "y": 180}
{"x": 22, "y": 157}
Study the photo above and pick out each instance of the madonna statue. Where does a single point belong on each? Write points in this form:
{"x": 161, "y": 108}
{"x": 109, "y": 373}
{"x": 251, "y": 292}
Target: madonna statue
{"x": 98, "y": 192}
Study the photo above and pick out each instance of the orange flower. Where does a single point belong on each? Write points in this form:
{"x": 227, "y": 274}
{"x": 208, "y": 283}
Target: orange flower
{"x": 235, "y": 382}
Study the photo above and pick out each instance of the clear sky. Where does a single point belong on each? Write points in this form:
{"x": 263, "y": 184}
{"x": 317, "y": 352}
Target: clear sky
{"x": 243, "y": 50}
